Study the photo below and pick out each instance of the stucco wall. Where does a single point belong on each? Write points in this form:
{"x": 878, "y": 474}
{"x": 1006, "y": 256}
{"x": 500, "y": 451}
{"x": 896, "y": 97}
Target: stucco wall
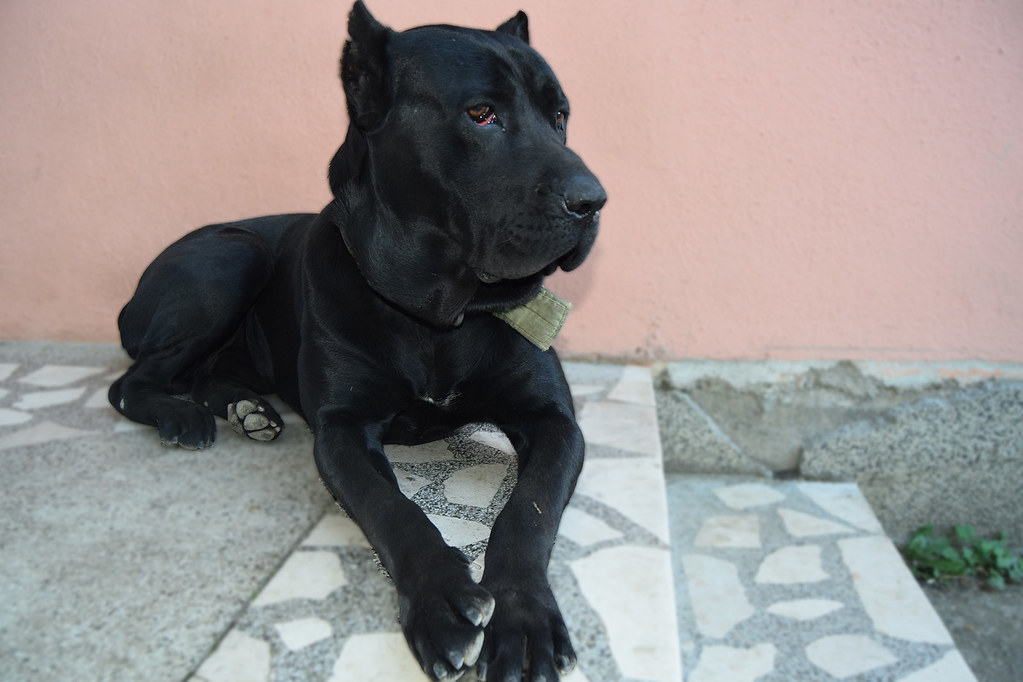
{"x": 787, "y": 179}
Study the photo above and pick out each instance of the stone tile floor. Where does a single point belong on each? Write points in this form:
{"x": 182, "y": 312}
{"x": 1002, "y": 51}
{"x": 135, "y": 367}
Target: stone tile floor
{"x": 752, "y": 579}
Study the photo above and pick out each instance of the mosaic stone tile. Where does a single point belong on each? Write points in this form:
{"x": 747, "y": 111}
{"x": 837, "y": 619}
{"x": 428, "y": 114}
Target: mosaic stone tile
{"x": 801, "y": 525}
{"x": 730, "y": 531}
{"x": 629, "y": 486}
{"x": 625, "y": 586}
{"x": 98, "y": 400}
{"x": 748, "y": 495}
{"x": 844, "y": 501}
{"x": 730, "y": 664}
{"x": 717, "y": 594}
{"x": 844, "y": 656}
{"x": 238, "y": 658}
{"x": 460, "y": 532}
{"x": 7, "y": 369}
{"x": 53, "y": 376}
{"x": 635, "y": 386}
{"x": 43, "y": 432}
{"x": 584, "y": 529}
{"x": 810, "y": 600}
{"x": 410, "y": 484}
{"x": 376, "y": 656}
{"x": 298, "y": 634}
{"x": 623, "y": 426}
{"x": 950, "y": 668}
{"x": 792, "y": 566}
{"x": 804, "y": 609}
{"x": 13, "y": 417}
{"x": 336, "y": 530}
{"x": 493, "y": 439}
{"x": 305, "y": 575}
{"x": 40, "y": 399}
{"x": 475, "y": 486}
{"x": 886, "y": 589}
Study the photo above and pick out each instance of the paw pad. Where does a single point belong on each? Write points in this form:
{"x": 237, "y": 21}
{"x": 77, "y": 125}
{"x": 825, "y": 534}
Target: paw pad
{"x": 254, "y": 419}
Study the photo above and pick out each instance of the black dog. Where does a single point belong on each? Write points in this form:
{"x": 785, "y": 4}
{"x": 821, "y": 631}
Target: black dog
{"x": 455, "y": 196}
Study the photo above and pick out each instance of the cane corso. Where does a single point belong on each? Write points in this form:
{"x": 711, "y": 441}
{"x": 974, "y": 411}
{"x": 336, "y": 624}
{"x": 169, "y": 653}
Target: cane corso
{"x": 379, "y": 320}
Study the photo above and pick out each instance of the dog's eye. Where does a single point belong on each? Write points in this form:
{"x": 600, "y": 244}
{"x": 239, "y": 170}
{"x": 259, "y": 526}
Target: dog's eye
{"x": 482, "y": 114}
{"x": 560, "y": 118}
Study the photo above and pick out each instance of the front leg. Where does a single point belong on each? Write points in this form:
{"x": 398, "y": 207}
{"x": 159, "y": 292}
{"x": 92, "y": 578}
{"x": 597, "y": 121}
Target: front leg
{"x": 527, "y": 638}
{"x": 441, "y": 609}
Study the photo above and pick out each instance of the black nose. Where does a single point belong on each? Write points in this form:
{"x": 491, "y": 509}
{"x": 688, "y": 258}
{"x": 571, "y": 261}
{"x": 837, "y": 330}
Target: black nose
{"x": 584, "y": 196}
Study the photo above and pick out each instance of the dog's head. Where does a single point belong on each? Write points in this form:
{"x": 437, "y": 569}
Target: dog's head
{"x": 457, "y": 192}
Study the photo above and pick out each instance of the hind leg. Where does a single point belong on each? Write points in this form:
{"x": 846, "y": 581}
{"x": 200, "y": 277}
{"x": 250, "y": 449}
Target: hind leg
{"x": 230, "y": 390}
{"x": 188, "y": 306}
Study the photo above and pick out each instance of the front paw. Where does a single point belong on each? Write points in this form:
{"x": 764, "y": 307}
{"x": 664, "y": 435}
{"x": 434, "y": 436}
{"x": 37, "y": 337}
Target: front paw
{"x": 444, "y": 618}
{"x": 527, "y": 639}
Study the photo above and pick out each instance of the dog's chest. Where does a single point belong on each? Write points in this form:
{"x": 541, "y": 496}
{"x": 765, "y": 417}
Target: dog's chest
{"x": 443, "y": 403}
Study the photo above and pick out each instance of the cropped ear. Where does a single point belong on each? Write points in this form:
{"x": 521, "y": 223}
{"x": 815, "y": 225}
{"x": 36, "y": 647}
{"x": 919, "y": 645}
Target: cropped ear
{"x": 517, "y": 26}
{"x": 364, "y": 69}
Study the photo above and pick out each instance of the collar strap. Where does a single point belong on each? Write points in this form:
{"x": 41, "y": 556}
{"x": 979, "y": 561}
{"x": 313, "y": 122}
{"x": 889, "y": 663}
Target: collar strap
{"x": 539, "y": 319}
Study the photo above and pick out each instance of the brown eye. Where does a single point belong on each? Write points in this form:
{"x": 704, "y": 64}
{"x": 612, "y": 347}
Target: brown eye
{"x": 560, "y": 118}
{"x": 481, "y": 114}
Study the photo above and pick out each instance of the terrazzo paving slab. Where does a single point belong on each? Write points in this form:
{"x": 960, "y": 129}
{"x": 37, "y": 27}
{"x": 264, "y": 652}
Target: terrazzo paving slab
{"x": 793, "y": 580}
{"x": 127, "y": 560}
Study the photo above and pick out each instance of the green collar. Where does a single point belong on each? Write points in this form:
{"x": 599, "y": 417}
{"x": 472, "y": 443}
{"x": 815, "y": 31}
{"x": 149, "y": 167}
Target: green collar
{"x": 539, "y": 319}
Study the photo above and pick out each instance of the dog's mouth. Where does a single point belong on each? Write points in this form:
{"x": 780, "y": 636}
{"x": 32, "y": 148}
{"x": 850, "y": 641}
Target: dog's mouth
{"x": 491, "y": 279}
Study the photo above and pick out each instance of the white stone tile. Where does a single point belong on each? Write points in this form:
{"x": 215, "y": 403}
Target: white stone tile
{"x": 305, "y": 575}
{"x": 635, "y": 386}
{"x": 436, "y": 451}
{"x": 298, "y": 634}
{"x": 459, "y": 532}
{"x": 801, "y": 525}
{"x": 53, "y": 376}
{"x": 410, "y": 484}
{"x": 748, "y": 495}
{"x": 239, "y": 658}
{"x": 43, "y": 432}
{"x": 41, "y": 399}
{"x": 621, "y": 425}
{"x": 584, "y": 529}
{"x": 378, "y": 656}
{"x": 583, "y": 390}
{"x": 741, "y": 531}
{"x": 804, "y": 609}
{"x": 477, "y": 566}
{"x": 633, "y": 487}
{"x": 127, "y": 426}
{"x": 7, "y": 369}
{"x": 716, "y": 593}
{"x": 889, "y": 593}
{"x": 98, "y": 400}
{"x": 493, "y": 439}
{"x": 729, "y": 664}
{"x": 631, "y": 589}
{"x": 575, "y": 676}
{"x": 12, "y": 417}
{"x": 475, "y": 486}
{"x": 336, "y": 530}
{"x": 844, "y": 501}
{"x": 792, "y": 566}
{"x": 844, "y": 656}
{"x": 950, "y": 668}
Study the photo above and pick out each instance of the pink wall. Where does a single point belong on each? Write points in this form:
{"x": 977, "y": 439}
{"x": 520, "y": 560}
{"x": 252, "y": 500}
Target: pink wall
{"x": 787, "y": 179}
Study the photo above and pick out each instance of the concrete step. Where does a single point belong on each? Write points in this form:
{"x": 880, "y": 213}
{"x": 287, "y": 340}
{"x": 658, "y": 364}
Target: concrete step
{"x": 127, "y": 560}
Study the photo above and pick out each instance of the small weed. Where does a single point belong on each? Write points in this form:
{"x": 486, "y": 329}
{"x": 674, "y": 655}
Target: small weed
{"x": 939, "y": 558}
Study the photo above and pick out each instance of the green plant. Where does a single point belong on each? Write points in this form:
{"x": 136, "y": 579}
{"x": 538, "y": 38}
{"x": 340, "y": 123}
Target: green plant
{"x": 937, "y": 558}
